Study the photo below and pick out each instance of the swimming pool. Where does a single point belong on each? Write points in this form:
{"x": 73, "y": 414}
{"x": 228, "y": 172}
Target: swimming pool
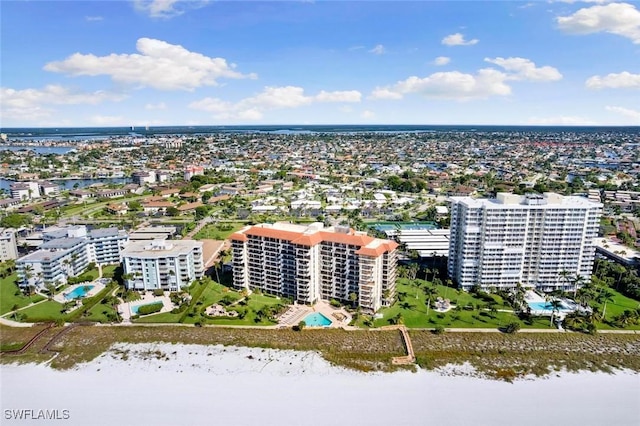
{"x": 78, "y": 292}
{"x": 134, "y": 309}
{"x": 544, "y": 307}
{"x": 316, "y": 319}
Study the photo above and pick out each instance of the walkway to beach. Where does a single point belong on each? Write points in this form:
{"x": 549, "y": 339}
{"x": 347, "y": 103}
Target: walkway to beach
{"x": 410, "y": 358}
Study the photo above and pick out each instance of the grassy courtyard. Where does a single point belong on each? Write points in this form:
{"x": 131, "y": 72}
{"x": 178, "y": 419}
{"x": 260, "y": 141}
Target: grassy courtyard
{"x": 218, "y": 231}
{"x": 208, "y": 292}
{"x": 410, "y": 308}
{"x": 12, "y": 297}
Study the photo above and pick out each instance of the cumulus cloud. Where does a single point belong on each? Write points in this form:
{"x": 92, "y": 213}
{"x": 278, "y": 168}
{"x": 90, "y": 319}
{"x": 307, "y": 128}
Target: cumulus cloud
{"x": 630, "y": 113}
{"x": 449, "y": 85}
{"x": 339, "y": 96}
{"x": 378, "y": 50}
{"x": 159, "y": 105}
{"x": 53, "y": 94}
{"x": 442, "y": 60}
{"x": 623, "y": 80}
{"x": 561, "y": 121}
{"x": 166, "y": 8}
{"x": 159, "y": 65}
{"x": 31, "y": 104}
{"x": 622, "y": 19}
{"x": 457, "y": 39}
{"x": 525, "y": 69}
{"x": 252, "y": 108}
{"x": 367, "y": 115}
{"x": 106, "y": 120}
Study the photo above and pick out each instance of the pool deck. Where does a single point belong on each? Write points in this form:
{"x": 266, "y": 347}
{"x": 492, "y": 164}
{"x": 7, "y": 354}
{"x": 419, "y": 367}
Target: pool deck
{"x": 97, "y": 288}
{"x": 124, "y": 309}
{"x": 297, "y": 313}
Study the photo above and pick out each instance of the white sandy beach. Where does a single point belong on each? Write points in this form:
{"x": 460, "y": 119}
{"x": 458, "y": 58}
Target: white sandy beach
{"x": 164, "y": 384}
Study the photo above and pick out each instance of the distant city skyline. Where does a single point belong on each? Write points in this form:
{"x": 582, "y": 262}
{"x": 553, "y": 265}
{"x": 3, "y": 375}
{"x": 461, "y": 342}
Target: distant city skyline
{"x": 169, "y": 62}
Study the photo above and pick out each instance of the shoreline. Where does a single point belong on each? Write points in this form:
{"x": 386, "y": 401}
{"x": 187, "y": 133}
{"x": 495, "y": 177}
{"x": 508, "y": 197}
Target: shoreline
{"x": 168, "y": 384}
{"x": 499, "y": 356}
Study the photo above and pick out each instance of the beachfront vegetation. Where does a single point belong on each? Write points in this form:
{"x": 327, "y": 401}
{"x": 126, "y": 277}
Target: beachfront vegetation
{"x": 498, "y": 355}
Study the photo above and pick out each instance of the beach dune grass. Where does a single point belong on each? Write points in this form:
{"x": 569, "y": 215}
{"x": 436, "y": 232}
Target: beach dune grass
{"x": 516, "y": 355}
{"x": 363, "y": 350}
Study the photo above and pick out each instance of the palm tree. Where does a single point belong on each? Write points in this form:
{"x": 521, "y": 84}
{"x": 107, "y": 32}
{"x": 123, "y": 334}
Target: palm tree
{"x": 429, "y": 292}
{"x": 564, "y": 275}
{"x": 604, "y": 297}
{"x": 555, "y": 308}
{"x": 578, "y": 281}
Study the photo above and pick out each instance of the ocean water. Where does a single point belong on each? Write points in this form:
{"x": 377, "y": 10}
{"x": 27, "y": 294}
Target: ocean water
{"x": 90, "y": 133}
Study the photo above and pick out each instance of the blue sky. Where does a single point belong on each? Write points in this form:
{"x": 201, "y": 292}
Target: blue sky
{"x": 166, "y": 62}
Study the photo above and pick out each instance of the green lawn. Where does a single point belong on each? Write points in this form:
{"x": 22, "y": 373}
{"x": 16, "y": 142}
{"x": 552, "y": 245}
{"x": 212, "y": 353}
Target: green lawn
{"x": 11, "y": 295}
{"x": 412, "y": 305}
{"x": 218, "y": 231}
{"x": 100, "y": 313}
{"x": 109, "y": 270}
{"x": 213, "y": 293}
{"x": 619, "y": 304}
{"x": 45, "y": 311}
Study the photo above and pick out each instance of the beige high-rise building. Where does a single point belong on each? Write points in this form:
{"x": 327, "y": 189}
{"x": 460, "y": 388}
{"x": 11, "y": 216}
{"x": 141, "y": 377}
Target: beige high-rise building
{"x": 310, "y": 263}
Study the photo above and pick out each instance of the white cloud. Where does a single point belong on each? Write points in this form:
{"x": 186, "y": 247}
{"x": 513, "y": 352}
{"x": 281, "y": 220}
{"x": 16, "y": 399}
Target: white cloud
{"x": 457, "y": 39}
{"x": 624, "y": 80}
{"x": 252, "y": 108}
{"x": 631, "y": 113}
{"x": 378, "y": 50}
{"x": 53, "y": 94}
{"x": 367, "y": 114}
{"x": 30, "y": 104}
{"x": 442, "y": 60}
{"x": 449, "y": 85}
{"x": 339, "y": 96}
{"x": 159, "y": 65}
{"x": 93, "y": 18}
{"x": 525, "y": 69}
{"x": 159, "y": 105}
{"x": 622, "y": 19}
{"x": 385, "y": 93}
{"x": 561, "y": 121}
{"x": 280, "y": 97}
{"x": 166, "y": 8}
{"x": 106, "y": 120}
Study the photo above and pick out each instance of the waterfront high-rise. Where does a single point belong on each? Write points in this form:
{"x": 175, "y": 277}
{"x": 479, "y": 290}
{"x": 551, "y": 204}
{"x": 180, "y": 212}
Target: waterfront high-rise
{"x": 542, "y": 241}
{"x": 310, "y": 263}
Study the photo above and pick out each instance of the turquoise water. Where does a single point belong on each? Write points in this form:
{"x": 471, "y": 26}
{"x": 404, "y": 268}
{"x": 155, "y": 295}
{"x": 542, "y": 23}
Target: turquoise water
{"x": 316, "y": 319}
{"x": 78, "y": 292}
{"x": 543, "y": 306}
{"x": 134, "y": 309}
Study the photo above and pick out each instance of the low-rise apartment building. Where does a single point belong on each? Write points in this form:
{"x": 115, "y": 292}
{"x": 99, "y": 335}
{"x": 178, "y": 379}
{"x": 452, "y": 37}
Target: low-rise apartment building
{"x": 162, "y": 264}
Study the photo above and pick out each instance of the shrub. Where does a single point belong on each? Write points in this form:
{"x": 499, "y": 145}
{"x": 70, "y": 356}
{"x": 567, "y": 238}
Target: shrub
{"x": 158, "y": 292}
{"x": 150, "y": 309}
{"x": 438, "y": 330}
{"x": 512, "y": 327}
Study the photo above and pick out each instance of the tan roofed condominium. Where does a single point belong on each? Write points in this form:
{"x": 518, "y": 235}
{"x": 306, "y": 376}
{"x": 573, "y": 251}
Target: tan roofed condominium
{"x": 311, "y": 263}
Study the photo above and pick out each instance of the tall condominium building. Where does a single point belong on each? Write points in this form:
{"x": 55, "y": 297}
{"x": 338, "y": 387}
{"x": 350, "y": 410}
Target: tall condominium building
{"x": 66, "y": 252}
{"x": 309, "y": 263}
{"x": 541, "y": 241}
{"x": 8, "y": 245}
{"x": 162, "y": 264}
